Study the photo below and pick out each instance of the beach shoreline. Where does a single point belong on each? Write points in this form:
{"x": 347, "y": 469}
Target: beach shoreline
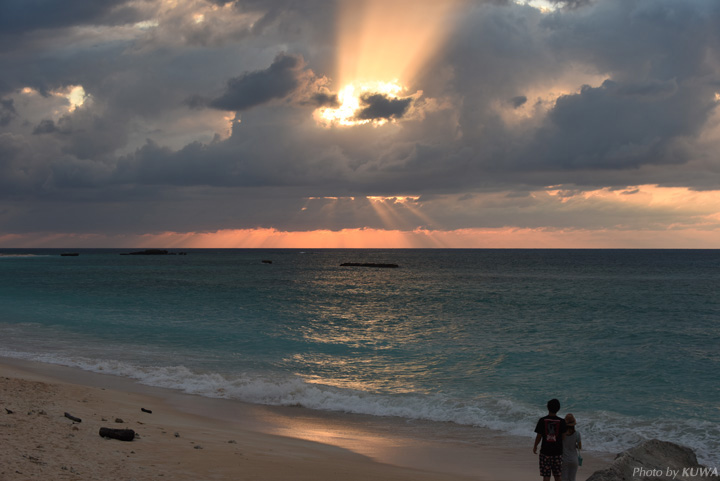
{"x": 227, "y": 439}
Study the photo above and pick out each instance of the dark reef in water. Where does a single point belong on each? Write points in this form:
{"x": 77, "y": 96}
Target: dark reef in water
{"x": 367, "y": 264}
{"x": 154, "y": 252}
{"x": 147, "y": 252}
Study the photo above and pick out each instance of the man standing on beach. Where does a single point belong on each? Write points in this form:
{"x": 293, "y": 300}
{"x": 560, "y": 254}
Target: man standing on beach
{"x": 549, "y": 430}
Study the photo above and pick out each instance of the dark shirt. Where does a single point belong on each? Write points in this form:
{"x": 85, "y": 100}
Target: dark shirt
{"x": 551, "y": 428}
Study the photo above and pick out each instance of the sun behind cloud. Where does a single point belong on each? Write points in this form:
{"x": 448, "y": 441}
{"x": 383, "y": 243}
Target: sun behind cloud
{"x": 382, "y": 46}
{"x": 369, "y": 102}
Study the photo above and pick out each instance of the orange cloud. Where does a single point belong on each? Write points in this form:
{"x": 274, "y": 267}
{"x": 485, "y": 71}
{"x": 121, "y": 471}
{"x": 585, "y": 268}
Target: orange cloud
{"x": 541, "y": 238}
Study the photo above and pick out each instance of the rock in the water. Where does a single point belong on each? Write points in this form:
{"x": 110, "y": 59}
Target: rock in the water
{"x": 657, "y": 461}
{"x": 368, "y": 264}
{"x": 148, "y": 252}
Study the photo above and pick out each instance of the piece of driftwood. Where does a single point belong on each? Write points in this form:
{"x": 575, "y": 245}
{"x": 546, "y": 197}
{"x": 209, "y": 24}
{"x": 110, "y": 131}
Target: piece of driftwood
{"x": 73, "y": 418}
{"x": 146, "y": 410}
{"x": 121, "y": 434}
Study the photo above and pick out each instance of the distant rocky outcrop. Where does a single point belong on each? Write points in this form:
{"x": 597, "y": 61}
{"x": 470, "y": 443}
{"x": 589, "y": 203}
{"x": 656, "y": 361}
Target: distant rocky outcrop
{"x": 656, "y": 460}
{"x": 154, "y": 252}
{"x": 147, "y": 252}
{"x": 367, "y": 264}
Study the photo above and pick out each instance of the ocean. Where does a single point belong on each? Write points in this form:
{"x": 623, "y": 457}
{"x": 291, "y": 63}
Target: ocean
{"x": 627, "y": 340}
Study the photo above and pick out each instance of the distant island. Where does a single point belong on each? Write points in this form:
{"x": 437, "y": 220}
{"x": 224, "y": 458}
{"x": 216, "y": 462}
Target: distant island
{"x": 368, "y": 264}
{"x": 153, "y": 252}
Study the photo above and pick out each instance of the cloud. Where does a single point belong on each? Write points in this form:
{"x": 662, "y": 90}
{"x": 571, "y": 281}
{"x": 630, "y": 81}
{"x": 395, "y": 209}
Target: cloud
{"x": 381, "y": 106}
{"x": 654, "y": 89}
{"x": 18, "y": 16}
{"x": 46, "y": 126}
{"x": 518, "y": 101}
{"x": 200, "y": 115}
{"x": 7, "y": 111}
{"x": 278, "y": 81}
{"x": 621, "y": 126}
{"x": 572, "y": 3}
{"x": 647, "y": 104}
{"x": 324, "y": 99}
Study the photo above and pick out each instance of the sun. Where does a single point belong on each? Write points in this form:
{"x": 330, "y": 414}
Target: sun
{"x": 352, "y": 101}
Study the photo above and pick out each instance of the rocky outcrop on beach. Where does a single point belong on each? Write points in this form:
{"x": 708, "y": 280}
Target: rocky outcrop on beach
{"x": 657, "y": 461}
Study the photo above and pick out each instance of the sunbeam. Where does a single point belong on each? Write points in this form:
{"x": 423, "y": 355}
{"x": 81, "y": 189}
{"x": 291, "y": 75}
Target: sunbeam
{"x": 382, "y": 46}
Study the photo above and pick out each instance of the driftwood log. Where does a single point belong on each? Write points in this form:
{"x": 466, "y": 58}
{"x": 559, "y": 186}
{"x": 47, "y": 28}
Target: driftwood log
{"x": 73, "y": 418}
{"x": 121, "y": 434}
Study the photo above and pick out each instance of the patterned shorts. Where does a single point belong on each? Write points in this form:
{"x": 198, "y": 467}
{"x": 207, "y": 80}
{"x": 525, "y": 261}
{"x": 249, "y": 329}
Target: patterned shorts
{"x": 550, "y": 465}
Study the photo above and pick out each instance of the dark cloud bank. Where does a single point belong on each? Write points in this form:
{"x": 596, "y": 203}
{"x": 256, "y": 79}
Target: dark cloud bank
{"x": 256, "y": 88}
{"x": 379, "y": 106}
{"x": 483, "y": 125}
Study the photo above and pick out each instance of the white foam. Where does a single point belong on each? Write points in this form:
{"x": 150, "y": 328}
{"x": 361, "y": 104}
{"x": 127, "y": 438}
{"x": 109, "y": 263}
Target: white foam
{"x": 601, "y": 431}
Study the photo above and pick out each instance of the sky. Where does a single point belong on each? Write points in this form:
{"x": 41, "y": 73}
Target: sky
{"x": 360, "y": 123}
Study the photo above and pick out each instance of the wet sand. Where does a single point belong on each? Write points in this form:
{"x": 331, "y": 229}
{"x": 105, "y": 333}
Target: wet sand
{"x": 188, "y": 437}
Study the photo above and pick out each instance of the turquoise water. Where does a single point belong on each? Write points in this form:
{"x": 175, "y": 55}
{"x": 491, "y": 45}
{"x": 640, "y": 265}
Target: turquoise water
{"x": 628, "y": 340}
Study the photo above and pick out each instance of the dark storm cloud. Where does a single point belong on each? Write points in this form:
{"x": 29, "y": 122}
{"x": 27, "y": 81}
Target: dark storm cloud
{"x": 380, "y": 106}
{"x": 620, "y": 126}
{"x": 194, "y": 164}
{"x": 642, "y": 39}
{"x": 572, "y": 3}
{"x": 17, "y": 16}
{"x": 7, "y": 111}
{"x": 322, "y": 99}
{"x": 650, "y": 90}
{"x": 256, "y": 88}
{"x": 490, "y": 117}
{"x": 46, "y": 126}
{"x": 84, "y": 134}
{"x": 285, "y": 13}
{"x": 91, "y": 136}
{"x": 658, "y": 95}
{"x": 518, "y": 101}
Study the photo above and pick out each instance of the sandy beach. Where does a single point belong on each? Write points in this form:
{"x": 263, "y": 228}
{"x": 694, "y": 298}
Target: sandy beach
{"x": 192, "y": 438}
